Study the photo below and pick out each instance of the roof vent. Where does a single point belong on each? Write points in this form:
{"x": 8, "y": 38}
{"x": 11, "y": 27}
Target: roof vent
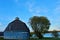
{"x": 17, "y": 18}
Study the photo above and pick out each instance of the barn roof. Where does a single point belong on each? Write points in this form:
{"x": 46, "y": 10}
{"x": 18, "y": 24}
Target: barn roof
{"x": 17, "y": 25}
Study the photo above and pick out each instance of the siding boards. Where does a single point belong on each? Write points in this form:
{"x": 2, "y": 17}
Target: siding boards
{"x": 16, "y": 35}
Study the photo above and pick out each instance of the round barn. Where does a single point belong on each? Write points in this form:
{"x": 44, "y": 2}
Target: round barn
{"x": 17, "y": 30}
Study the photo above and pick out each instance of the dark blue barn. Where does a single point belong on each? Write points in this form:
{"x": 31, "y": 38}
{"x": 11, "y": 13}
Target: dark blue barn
{"x": 17, "y": 30}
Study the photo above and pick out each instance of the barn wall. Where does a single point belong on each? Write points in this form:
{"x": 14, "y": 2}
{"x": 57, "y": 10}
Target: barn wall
{"x": 16, "y": 35}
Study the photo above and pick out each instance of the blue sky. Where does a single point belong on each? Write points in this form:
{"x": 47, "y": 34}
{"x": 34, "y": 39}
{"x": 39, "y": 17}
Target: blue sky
{"x": 24, "y": 9}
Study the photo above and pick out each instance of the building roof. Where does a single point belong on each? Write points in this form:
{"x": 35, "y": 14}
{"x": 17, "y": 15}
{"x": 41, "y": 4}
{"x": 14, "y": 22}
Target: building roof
{"x": 17, "y": 25}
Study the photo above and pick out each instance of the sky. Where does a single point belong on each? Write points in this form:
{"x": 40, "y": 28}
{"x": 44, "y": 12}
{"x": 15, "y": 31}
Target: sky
{"x": 25, "y": 9}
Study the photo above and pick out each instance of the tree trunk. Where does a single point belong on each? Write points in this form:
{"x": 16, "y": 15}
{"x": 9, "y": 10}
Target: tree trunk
{"x": 39, "y": 34}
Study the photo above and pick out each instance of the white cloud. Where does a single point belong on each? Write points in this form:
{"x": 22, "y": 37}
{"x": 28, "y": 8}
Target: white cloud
{"x": 0, "y": 24}
{"x": 56, "y": 18}
{"x": 58, "y": 2}
{"x": 16, "y": 0}
{"x": 55, "y": 25}
{"x": 57, "y": 10}
{"x": 35, "y": 10}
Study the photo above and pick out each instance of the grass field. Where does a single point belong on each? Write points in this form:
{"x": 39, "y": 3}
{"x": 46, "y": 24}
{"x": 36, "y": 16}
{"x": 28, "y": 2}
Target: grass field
{"x": 39, "y": 39}
{"x": 1, "y": 38}
{"x": 45, "y": 39}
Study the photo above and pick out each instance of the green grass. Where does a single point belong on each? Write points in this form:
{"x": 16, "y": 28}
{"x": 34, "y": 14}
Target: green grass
{"x": 1, "y": 38}
{"x": 38, "y": 39}
{"x": 45, "y": 39}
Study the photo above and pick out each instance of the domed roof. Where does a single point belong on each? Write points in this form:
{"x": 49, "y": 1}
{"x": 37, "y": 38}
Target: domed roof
{"x": 17, "y": 25}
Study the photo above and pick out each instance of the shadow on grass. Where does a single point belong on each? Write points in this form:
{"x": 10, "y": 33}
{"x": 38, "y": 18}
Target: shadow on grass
{"x": 38, "y": 39}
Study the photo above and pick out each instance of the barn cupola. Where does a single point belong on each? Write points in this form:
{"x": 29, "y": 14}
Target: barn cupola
{"x": 17, "y": 18}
